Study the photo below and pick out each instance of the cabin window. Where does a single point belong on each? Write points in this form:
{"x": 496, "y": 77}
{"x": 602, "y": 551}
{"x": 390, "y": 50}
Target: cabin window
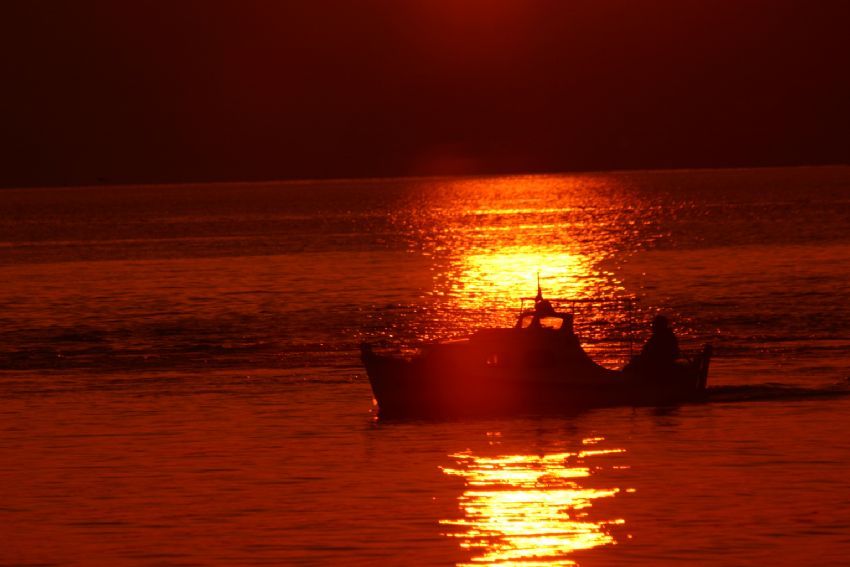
{"x": 545, "y": 322}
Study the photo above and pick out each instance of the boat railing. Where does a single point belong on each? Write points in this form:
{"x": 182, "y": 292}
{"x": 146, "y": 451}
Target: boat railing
{"x": 627, "y": 302}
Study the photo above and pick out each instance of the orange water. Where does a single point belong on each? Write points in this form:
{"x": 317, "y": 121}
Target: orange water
{"x": 181, "y": 385}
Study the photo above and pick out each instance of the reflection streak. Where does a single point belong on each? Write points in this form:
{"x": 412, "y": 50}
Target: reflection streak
{"x": 487, "y": 238}
{"x": 528, "y": 509}
{"x": 510, "y": 273}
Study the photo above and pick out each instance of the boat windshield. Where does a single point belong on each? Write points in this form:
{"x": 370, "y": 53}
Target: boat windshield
{"x": 545, "y": 322}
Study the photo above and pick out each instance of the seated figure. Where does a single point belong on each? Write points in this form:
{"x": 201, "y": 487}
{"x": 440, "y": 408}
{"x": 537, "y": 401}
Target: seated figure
{"x": 660, "y": 351}
{"x": 662, "y": 348}
{"x": 543, "y": 308}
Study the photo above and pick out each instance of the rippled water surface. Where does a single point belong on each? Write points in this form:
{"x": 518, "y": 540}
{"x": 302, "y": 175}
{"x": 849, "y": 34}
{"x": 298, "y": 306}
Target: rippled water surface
{"x": 180, "y": 380}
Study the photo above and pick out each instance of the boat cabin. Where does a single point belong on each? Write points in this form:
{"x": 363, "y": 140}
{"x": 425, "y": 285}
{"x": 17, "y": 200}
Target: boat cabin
{"x": 544, "y": 316}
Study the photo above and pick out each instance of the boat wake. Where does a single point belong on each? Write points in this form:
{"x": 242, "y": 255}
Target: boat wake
{"x": 776, "y": 392}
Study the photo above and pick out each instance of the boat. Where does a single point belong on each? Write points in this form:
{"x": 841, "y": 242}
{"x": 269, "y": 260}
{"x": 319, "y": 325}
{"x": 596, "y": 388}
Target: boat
{"x": 537, "y": 366}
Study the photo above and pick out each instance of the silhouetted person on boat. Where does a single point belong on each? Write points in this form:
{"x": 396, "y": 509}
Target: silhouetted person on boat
{"x": 543, "y": 308}
{"x": 662, "y": 348}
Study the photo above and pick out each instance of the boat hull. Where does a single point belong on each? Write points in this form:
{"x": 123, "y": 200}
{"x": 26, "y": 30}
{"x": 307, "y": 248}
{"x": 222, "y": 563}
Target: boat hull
{"x": 417, "y": 388}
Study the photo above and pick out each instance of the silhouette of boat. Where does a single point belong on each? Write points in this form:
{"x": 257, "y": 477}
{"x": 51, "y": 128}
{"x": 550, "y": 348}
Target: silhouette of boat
{"x": 538, "y": 366}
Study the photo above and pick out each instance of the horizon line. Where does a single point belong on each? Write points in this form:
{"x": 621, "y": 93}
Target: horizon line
{"x": 316, "y": 180}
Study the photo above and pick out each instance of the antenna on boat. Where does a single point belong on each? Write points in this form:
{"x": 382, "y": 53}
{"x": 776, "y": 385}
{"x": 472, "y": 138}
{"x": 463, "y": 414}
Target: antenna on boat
{"x": 539, "y": 291}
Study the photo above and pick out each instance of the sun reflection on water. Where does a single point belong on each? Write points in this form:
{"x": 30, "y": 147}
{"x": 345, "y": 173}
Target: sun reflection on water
{"x": 486, "y": 286}
{"x": 529, "y": 510}
{"x": 485, "y": 240}
{"x": 491, "y": 236}
{"x": 510, "y": 273}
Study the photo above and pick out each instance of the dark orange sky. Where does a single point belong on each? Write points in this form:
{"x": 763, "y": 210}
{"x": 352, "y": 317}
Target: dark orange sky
{"x": 155, "y": 91}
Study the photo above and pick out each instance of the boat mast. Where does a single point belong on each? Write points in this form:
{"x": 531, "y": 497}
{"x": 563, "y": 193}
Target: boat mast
{"x": 539, "y": 291}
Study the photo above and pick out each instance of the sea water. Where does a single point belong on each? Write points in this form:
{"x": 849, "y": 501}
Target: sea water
{"x": 180, "y": 382}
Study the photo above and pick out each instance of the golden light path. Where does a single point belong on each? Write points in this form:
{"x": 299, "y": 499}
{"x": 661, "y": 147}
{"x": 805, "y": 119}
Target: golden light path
{"x": 528, "y": 510}
{"x": 490, "y": 283}
{"x": 491, "y": 236}
{"x": 503, "y": 276}
{"x": 512, "y": 273}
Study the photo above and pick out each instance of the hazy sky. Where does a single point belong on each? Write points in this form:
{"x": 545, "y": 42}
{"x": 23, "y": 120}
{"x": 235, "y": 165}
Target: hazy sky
{"x": 178, "y": 90}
